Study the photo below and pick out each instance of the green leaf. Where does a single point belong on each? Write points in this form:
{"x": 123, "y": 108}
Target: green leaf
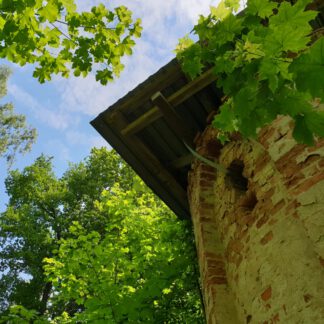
{"x": 50, "y": 12}
{"x": 221, "y": 11}
{"x": 315, "y": 122}
{"x": 308, "y": 70}
{"x": 232, "y": 4}
{"x": 269, "y": 71}
{"x": 262, "y": 8}
{"x": 104, "y": 76}
{"x": 69, "y": 5}
{"x": 287, "y": 38}
{"x": 227, "y": 29}
{"x": 224, "y": 63}
{"x": 293, "y": 15}
{"x": 192, "y": 66}
{"x": 225, "y": 120}
{"x": 301, "y": 132}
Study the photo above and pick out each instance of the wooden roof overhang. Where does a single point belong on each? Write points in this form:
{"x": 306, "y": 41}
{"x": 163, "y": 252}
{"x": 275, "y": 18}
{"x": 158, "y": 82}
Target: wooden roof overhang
{"x": 148, "y": 128}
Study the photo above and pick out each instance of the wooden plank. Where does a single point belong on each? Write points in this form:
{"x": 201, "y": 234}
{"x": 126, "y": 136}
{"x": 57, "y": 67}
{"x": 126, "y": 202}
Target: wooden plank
{"x": 180, "y": 208}
{"x": 161, "y": 79}
{"x": 178, "y": 97}
{"x": 175, "y": 122}
{"x": 182, "y": 161}
{"x": 150, "y": 161}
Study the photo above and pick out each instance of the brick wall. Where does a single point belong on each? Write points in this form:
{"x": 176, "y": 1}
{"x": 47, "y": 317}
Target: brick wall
{"x": 260, "y": 243}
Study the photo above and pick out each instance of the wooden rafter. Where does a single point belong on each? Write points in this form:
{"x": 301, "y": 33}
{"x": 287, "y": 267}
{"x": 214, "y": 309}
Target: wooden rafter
{"x": 175, "y": 99}
{"x": 152, "y": 164}
{"x": 176, "y": 123}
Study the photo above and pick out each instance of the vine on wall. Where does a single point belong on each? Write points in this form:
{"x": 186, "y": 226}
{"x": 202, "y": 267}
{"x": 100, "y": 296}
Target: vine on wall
{"x": 267, "y": 64}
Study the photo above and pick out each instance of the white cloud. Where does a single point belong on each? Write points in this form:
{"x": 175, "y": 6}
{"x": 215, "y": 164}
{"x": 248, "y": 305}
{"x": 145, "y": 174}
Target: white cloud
{"x": 53, "y": 118}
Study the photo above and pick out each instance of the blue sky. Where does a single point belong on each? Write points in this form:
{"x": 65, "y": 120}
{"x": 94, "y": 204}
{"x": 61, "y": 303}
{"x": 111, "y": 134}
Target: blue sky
{"x": 61, "y": 110}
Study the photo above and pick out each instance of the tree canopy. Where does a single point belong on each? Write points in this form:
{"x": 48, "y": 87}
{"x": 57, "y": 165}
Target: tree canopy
{"x": 57, "y": 38}
{"x": 15, "y": 135}
{"x": 93, "y": 246}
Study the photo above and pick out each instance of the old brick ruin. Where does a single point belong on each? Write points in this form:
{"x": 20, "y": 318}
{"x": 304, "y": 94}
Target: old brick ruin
{"x": 260, "y": 236}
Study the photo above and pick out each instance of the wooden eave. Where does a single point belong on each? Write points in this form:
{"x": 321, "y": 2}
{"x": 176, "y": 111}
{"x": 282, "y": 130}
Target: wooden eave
{"x": 149, "y": 125}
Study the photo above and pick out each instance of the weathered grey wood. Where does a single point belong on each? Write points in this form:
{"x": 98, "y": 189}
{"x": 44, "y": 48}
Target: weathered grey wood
{"x": 178, "y": 97}
{"x": 150, "y": 161}
{"x": 175, "y": 122}
{"x": 167, "y": 75}
{"x": 164, "y": 193}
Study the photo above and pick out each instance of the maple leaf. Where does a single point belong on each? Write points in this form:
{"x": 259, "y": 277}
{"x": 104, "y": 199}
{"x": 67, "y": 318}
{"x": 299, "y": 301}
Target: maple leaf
{"x": 294, "y": 16}
{"x": 226, "y": 119}
{"x": 234, "y": 4}
{"x": 261, "y": 8}
{"x": 308, "y": 70}
{"x": 302, "y": 132}
{"x": 220, "y": 12}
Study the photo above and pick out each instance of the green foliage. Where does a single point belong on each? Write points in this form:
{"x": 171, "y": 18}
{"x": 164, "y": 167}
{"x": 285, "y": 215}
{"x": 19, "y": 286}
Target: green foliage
{"x": 139, "y": 271}
{"x": 57, "y": 38}
{"x": 109, "y": 257}
{"x": 266, "y": 63}
{"x": 15, "y": 135}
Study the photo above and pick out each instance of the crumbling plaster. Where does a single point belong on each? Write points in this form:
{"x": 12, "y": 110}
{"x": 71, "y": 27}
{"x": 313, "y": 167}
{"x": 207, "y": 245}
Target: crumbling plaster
{"x": 261, "y": 250}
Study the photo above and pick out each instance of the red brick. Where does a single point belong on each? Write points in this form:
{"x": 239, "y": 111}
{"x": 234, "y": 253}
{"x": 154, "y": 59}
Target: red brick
{"x": 277, "y": 207}
{"x": 209, "y": 176}
{"x": 289, "y": 159}
{"x": 262, "y": 221}
{"x": 321, "y": 163}
{"x": 266, "y": 238}
{"x": 262, "y": 161}
{"x": 217, "y": 281}
{"x": 292, "y": 206}
{"x": 275, "y": 319}
{"x": 265, "y": 134}
{"x": 207, "y": 168}
{"x": 266, "y": 295}
{"x": 251, "y": 220}
{"x": 297, "y": 178}
{"x": 235, "y": 245}
{"x": 205, "y": 183}
{"x": 205, "y": 220}
{"x": 207, "y": 205}
{"x": 273, "y": 221}
{"x": 241, "y": 235}
{"x": 321, "y": 261}
{"x": 212, "y": 255}
{"x": 269, "y": 194}
{"x": 310, "y": 182}
{"x": 216, "y": 267}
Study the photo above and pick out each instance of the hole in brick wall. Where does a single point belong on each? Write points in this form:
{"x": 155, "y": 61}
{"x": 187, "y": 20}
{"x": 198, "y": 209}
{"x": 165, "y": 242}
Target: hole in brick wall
{"x": 248, "y": 201}
{"x": 235, "y": 175}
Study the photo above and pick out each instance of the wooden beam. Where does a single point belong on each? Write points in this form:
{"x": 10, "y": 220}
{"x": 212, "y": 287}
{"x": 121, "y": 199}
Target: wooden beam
{"x": 175, "y": 99}
{"x": 166, "y": 76}
{"x": 150, "y": 161}
{"x": 176, "y": 123}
